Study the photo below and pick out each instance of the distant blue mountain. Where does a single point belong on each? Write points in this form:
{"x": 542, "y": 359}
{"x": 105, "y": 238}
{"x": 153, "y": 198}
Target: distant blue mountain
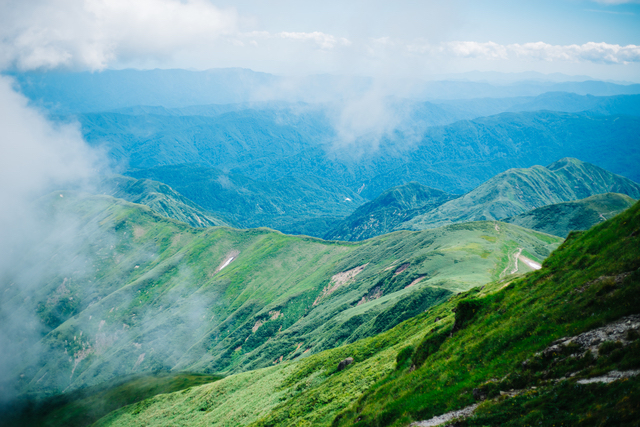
{"x": 75, "y": 92}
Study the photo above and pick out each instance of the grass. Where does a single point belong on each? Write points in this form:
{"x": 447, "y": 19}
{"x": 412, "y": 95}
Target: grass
{"x": 431, "y": 363}
{"x": 148, "y": 295}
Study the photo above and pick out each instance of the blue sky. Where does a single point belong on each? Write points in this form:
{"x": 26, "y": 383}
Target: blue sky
{"x": 384, "y": 38}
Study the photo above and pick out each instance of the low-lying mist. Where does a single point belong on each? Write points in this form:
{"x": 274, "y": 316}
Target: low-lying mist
{"x": 38, "y": 157}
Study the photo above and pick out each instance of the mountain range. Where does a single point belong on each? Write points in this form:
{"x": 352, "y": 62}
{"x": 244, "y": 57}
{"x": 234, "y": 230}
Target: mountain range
{"x": 510, "y": 193}
{"x": 111, "y": 89}
{"x": 271, "y": 251}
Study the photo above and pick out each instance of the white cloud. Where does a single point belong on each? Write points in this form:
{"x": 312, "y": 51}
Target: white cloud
{"x": 324, "y": 41}
{"x": 99, "y": 34}
{"x": 487, "y": 50}
{"x": 95, "y": 33}
{"x": 539, "y": 51}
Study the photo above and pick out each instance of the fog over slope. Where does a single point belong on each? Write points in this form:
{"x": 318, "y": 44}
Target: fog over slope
{"x": 38, "y": 156}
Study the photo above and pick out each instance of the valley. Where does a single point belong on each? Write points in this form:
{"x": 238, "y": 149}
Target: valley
{"x": 249, "y": 251}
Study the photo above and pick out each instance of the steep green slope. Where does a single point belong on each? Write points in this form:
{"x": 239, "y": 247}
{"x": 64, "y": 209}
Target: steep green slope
{"x": 387, "y": 211}
{"x": 134, "y": 292}
{"x": 293, "y": 205}
{"x": 162, "y": 199}
{"x": 519, "y": 190}
{"x": 561, "y": 218}
{"x": 483, "y": 344}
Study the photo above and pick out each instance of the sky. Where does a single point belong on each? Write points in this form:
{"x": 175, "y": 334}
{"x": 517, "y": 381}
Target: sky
{"x": 379, "y": 38}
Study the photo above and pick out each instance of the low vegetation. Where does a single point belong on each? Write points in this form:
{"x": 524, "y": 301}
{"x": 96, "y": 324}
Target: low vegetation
{"x": 478, "y": 347}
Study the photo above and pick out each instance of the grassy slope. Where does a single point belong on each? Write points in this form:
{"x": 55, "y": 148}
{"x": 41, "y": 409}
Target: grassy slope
{"x": 143, "y": 293}
{"x": 518, "y": 190}
{"x": 387, "y": 211}
{"x": 513, "y": 320}
{"x": 561, "y": 218}
{"x": 162, "y": 199}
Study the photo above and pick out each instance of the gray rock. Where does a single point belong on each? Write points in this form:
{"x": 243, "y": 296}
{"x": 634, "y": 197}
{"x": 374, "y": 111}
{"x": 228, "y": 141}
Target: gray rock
{"x": 344, "y": 363}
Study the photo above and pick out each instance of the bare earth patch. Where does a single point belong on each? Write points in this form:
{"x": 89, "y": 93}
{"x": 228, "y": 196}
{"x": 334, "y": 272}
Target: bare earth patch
{"x": 415, "y": 282}
{"x": 257, "y": 326}
{"x": 138, "y": 231}
{"x": 402, "y": 268}
{"x": 338, "y": 280}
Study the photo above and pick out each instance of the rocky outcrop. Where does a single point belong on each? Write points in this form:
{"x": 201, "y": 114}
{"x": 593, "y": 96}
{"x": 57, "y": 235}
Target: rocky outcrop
{"x": 344, "y": 363}
{"x": 613, "y": 332}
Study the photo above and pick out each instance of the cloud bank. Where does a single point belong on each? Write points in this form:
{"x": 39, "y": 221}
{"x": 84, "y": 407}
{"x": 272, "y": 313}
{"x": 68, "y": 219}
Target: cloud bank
{"x": 587, "y": 52}
{"x": 94, "y": 34}
{"x": 36, "y": 157}
{"x": 99, "y": 34}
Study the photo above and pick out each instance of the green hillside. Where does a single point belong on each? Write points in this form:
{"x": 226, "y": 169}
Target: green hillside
{"x": 134, "y": 292}
{"x": 162, "y": 199}
{"x": 519, "y": 190}
{"x": 387, "y": 211}
{"x": 506, "y": 346}
{"x": 561, "y": 218}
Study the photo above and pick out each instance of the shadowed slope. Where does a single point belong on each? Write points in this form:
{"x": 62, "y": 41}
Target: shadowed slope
{"x": 561, "y": 218}
{"x": 387, "y": 211}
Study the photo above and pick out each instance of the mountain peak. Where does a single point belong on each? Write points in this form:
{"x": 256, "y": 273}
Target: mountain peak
{"x": 564, "y": 162}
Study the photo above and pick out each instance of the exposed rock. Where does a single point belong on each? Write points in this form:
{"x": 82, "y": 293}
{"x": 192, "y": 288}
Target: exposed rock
{"x": 616, "y": 331}
{"x": 441, "y": 419}
{"x": 610, "y": 377}
{"x": 344, "y": 363}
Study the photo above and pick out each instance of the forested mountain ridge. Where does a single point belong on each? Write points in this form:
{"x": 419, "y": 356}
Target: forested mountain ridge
{"x": 510, "y": 193}
{"x": 383, "y": 214}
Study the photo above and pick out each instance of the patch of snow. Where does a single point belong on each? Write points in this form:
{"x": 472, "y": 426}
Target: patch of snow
{"x": 229, "y": 257}
{"x": 531, "y": 263}
{"x": 227, "y": 262}
{"x": 138, "y": 362}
